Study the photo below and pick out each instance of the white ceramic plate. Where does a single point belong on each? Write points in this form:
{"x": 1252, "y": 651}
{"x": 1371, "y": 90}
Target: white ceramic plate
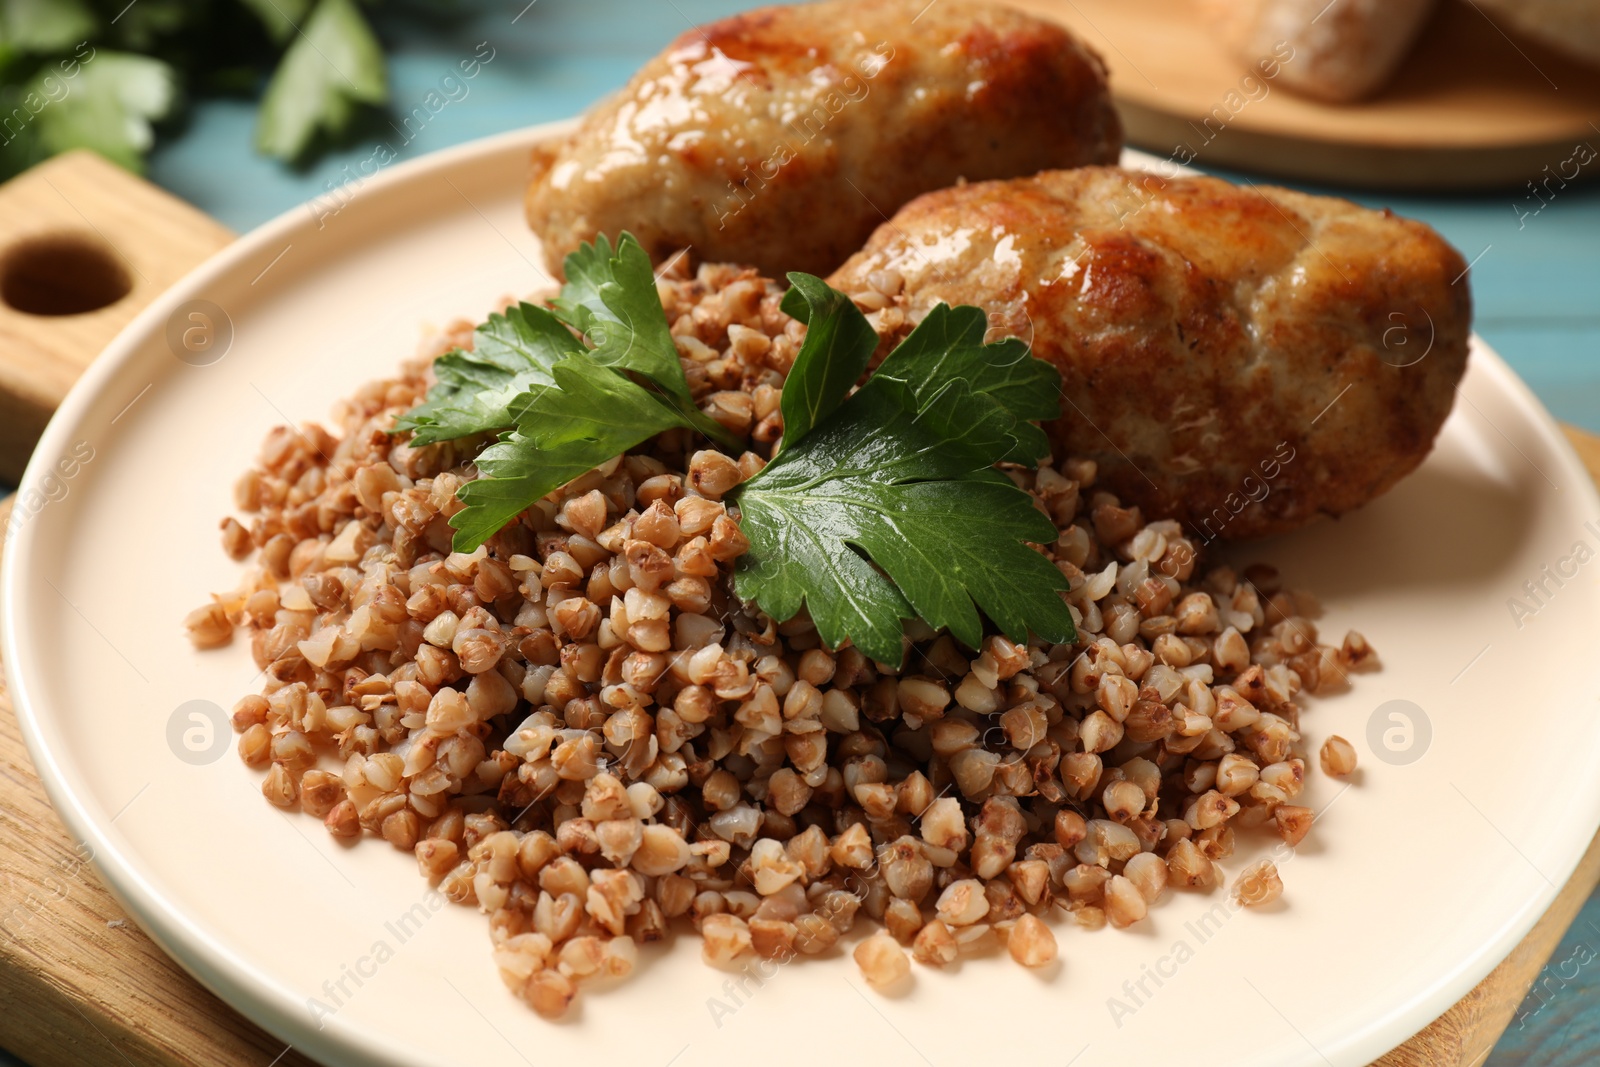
{"x": 1418, "y": 879}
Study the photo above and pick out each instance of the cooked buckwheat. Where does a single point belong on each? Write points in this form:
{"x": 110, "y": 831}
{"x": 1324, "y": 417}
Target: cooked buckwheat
{"x": 580, "y": 729}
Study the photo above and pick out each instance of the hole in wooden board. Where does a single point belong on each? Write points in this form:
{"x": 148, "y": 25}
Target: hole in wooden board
{"x": 62, "y": 274}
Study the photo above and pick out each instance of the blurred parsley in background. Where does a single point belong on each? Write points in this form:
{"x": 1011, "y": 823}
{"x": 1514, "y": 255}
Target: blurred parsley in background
{"x": 100, "y": 73}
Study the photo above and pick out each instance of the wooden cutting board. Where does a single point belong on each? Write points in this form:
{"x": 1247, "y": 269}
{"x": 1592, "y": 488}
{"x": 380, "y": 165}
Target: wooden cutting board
{"x": 80, "y": 234}
{"x": 80, "y": 984}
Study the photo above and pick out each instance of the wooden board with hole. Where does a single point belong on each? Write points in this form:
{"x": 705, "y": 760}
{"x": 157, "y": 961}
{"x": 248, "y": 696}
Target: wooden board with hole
{"x": 80, "y": 984}
{"x": 86, "y": 247}
{"x": 1470, "y": 108}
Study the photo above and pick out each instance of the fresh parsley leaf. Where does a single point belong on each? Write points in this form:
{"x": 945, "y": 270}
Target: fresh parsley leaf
{"x": 44, "y": 25}
{"x": 586, "y": 401}
{"x": 511, "y": 353}
{"x": 839, "y": 343}
{"x": 333, "y": 64}
{"x": 947, "y": 346}
{"x": 566, "y": 408}
{"x": 111, "y": 107}
{"x": 890, "y": 508}
{"x": 586, "y": 415}
{"x": 610, "y": 297}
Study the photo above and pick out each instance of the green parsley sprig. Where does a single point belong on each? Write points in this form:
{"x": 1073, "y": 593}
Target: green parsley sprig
{"x": 889, "y": 506}
{"x": 103, "y": 74}
{"x": 572, "y": 385}
{"x": 883, "y": 502}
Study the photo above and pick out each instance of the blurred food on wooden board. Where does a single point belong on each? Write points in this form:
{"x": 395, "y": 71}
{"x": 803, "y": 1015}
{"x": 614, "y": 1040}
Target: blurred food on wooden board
{"x": 1349, "y": 50}
{"x": 1344, "y": 50}
{"x": 1469, "y": 107}
{"x": 1569, "y": 26}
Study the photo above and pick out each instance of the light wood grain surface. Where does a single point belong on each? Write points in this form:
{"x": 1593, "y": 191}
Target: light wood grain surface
{"x": 1470, "y": 108}
{"x": 82, "y": 986}
{"x": 82, "y": 199}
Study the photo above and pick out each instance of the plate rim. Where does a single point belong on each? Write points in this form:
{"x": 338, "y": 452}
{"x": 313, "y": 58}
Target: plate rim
{"x": 240, "y": 983}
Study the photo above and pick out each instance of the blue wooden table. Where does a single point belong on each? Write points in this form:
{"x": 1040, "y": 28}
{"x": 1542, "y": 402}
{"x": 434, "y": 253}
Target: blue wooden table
{"x": 1536, "y": 277}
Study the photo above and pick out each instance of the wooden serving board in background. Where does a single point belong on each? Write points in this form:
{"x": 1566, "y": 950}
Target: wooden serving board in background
{"x": 79, "y": 232}
{"x": 80, "y": 984}
{"x": 1469, "y": 109}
